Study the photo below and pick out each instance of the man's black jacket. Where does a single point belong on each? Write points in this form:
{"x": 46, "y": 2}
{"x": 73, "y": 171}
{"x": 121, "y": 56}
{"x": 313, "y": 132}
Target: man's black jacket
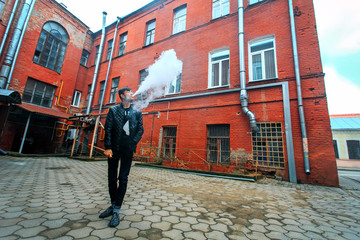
{"x": 114, "y": 133}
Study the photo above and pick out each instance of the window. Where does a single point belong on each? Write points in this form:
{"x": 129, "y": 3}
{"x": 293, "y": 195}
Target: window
{"x": 219, "y": 71}
{"x": 102, "y": 86}
{"x": 123, "y": 39}
{"x": 2, "y": 3}
{"x": 76, "y": 99}
{"x": 169, "y": 142}
{"x": 218, "y": 143}
{"x": 110, "y": 46}
{"x": 179, "y": 19}
{"x": 88, "y": 94}
{"x": 150, "y": 32}
{"x": 262, "y": 60}
{"x": 97, "y": 53}
{"x": 84, "y": 58}
{"x": 175, "y": 86}
{"x": 336, "y": 149}
{"x": 143, "y": 74}
{"x": 38, "y": 93}
{"x": 220, "y": 8}
{"x": 268, "y": 148}
{"x": 114, "y": 89}
{"x": 50, "y": 50}
{"x": 353, "y": 147}
{"x": 254, "y": 1}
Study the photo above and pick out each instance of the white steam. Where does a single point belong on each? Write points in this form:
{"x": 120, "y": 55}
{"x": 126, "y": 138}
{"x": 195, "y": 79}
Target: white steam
{"x": 160, "y": 74}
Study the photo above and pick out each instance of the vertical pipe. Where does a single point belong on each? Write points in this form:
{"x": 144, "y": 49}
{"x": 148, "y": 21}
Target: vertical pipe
{"x": 244, "y": 99}
{"x": 298, "y": 86}
{"x": 14, "y": 43}
{"x": 108, "y": 70}
{"x": 25, "y": 132}
{"x": 8, "y": 26}
{"x": 91, "y": 95}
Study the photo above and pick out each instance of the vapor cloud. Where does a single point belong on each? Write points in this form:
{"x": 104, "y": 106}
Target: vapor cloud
{"x": 160, "y": 74}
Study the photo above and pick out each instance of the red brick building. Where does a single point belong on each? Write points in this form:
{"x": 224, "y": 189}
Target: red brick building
{"x": 244, "y": 89}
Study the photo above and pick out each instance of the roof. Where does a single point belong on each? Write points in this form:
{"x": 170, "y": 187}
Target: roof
{"x": 348, "y": 122}
{"x": 45, "y": 111}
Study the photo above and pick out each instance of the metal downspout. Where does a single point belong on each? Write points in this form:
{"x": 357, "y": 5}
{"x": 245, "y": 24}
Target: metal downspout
{"x": 19, "y": 45}
{"x": 108, "y": 70}
{"x": 15, "y": 41}
{"x": 91, "y": 95}
{"x": 244, "y": 99}
{"x": 298, "y": 85}
{"x": 8, "y": 26}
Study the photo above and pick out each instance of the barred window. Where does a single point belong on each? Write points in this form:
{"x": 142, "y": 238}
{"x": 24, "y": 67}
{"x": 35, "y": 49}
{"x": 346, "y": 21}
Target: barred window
{"x": 268, "y": 147}
{"x": 169, "y": 141}
{"x": 51, "y": 47}
{"x": 218, "y": 143}
{"x": 38, "y": 93}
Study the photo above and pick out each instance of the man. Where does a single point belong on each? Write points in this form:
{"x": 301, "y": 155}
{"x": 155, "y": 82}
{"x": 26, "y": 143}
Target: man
{"x": 123, "y": 130}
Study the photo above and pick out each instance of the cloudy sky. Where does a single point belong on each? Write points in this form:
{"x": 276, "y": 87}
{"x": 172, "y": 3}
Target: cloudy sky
{"x": 339, "y": 36}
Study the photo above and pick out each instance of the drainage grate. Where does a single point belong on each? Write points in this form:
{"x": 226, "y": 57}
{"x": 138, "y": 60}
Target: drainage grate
{"x": 56, "y": 168}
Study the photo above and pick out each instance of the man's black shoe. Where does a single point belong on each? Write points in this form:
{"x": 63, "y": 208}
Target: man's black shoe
{"x": 114, "y": 220}
{"x": 108, "y": 212}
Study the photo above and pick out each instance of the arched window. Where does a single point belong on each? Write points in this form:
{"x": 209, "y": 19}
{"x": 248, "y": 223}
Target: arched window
{"x": 51, "y": 47}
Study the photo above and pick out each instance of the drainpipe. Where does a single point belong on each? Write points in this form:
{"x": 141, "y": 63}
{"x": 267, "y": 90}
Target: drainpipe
{"x": 19, "y": 45}
{"x": 108, "y": 70}
{"x": 14, "y": 43}
{"x": 244, "y": 99}
{"x": 298, "y": 85}
{"x": 91, "y": 96}
{"x": 8, "y": 26}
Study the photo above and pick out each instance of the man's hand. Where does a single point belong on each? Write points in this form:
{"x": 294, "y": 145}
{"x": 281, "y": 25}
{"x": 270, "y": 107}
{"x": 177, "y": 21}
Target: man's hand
{"x": 108, "y": 153}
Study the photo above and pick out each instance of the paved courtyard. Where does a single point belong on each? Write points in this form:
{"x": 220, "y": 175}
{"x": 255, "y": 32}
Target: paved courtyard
{"x": 60, "y": 198}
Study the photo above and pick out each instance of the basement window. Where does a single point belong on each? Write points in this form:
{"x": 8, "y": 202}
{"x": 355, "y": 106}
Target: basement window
{"x": 51, "y": 47}
{"x": 220, "y": 8}
{"x": 218, "y": 143}
{"x": 268, "y": 147}
{"x": 169, "y": 142}
{"x": 38, "y": 93}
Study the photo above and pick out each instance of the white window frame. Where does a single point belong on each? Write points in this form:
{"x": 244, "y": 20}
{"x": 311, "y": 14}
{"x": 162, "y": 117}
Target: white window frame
{"x": 179, "y": 24}
{"x": 76, "y": 99}
{"x": 210, "y": 76}
{"x": 221, "y": 6}
{"x": 172, "y": 87}
{"x": 257, "y": 42}
{"x": 254, "y": 1}
{"x": 150, "y": 32}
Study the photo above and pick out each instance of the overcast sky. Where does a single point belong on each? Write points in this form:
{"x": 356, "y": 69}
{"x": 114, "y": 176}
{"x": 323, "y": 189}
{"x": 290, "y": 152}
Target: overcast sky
{"x": 338, "y": 25}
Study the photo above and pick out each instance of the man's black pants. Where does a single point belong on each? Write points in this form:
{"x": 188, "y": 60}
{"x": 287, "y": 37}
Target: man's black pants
{"x": 117, "y": 191}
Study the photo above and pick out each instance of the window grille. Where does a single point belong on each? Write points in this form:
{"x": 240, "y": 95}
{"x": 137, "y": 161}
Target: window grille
{"x": 218, "y": 143}
{"x": 169, "y": 142}
{"x": 268, "y": 147}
